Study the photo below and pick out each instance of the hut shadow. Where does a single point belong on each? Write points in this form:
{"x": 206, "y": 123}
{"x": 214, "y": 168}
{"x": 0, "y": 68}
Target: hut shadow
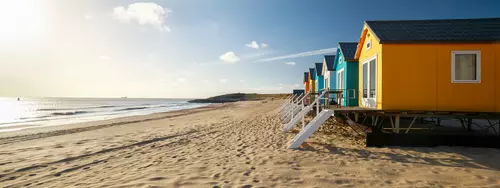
{"x": 480, "y": 158}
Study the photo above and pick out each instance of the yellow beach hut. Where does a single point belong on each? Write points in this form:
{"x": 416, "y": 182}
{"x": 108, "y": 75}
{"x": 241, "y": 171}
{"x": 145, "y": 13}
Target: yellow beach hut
{"x": 432, "y": 65}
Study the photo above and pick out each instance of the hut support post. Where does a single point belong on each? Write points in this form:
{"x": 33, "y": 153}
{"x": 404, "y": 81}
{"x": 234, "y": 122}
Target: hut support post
{"x": 469, "y": 124}
{"x": 356, "y": 117}
{"x": 411, "y": 124}
{"x": 396, "y": 119}
{"x": 392, "y": 124}
{"x": 492, "y": 126}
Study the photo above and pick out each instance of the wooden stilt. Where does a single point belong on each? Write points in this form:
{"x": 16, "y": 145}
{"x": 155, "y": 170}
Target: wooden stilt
{"x": 396, "y": 119}
{"x": 462, "y": 122}
{"x": 469, "y": 124}
{"x": 356, "y": 116}
{"x": 438, "y": 122}
{"x": 392, "y": 124}
{"x": 413, "y": 121}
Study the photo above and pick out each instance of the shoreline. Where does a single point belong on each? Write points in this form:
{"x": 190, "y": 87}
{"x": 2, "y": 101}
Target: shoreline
{"x": 55, "y": 130}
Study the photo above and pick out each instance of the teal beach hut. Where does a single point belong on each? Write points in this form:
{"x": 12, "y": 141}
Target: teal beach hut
{"x": 346, "y": 73}
{"x": 319, "y": 79}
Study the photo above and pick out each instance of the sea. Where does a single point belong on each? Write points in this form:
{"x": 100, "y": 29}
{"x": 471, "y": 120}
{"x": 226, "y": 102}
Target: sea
{"x": 30, "y": 113}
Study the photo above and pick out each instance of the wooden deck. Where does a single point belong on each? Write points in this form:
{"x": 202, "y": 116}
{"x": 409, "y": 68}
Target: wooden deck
{"x": 417, "y": 113}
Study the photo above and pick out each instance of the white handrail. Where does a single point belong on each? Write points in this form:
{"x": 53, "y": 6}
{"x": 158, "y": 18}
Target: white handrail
{"x": 286, "y": 102}
{"x": 304, "y": 111}
{"x": 292, "y": 106}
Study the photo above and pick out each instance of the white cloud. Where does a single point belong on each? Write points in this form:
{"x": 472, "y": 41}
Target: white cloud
{"x": 88, "y": 16}
{"x": 105, "y": 57}
{"x": 290, "y": 63}
{"x": 301, "y": 54}
{"x": 144, "y": 14}
{"x": 263, "y": 45}
{"x": 229, "y": 57}
{"x": 223, "y": 80}
{"x": 253, "y": 45}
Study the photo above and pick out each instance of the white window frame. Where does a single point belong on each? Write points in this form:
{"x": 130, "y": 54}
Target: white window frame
{"x": 478, "y": 66}
{"x": 370, "y": 44}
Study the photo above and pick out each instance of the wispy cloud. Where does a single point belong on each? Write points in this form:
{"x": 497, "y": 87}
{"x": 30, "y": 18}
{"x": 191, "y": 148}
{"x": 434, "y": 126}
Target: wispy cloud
{"x": 223, "y": 80}
{"x": 105, "y": 57}
{"x": 144, "y": 14}
{"x": 301, "y": 54}
{"x": 290, "y": 63}
{"x": 263, "y": 45}
{"x": 88, "y": 16}
{"x": 229, "y": 57}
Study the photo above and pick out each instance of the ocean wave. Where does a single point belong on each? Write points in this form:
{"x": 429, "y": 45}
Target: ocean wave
{"x": 37, "y": 117}
{"x": 132, "y": 108}
{"x": 53, "y": 109}
{"x": 68, "y": 113}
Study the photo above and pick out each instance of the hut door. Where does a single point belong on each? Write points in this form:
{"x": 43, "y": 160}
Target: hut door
{"x": 369, "y": 86}
{"x": 341, "y": 86}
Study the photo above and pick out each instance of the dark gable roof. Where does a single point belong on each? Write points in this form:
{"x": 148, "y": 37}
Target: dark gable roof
{"x": 348, "y": 49}
{"x": 319, "y": 69}
{"x": 306, "y": 76}
{"x": 311, "y": 74}
{"x": 484, "y": 30}
{"x": 330, "y": 59}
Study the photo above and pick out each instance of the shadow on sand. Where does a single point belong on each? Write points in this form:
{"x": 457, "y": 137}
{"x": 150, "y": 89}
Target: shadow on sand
{"x": 480, "y": 158}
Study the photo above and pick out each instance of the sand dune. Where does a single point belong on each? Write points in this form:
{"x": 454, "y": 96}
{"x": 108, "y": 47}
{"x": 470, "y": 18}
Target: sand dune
{"x": 231, "y": 145}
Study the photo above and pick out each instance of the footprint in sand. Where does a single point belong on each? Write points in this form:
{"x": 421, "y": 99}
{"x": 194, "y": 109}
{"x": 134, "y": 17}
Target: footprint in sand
{"x": 479, "y": 177}
{"x": 157, "y": 178}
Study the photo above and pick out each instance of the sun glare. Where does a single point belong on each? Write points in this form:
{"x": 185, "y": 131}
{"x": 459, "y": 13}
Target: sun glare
{"x": 20, "y": 20}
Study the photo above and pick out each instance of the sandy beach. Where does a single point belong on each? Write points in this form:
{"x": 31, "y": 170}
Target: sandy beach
{"x": 227, "y": 145}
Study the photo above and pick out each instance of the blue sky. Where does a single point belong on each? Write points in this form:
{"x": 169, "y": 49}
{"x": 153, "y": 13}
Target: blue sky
{"x": 175, "y": 48}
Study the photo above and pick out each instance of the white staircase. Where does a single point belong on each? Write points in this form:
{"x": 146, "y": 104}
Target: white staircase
{"x": 305, "y": 109}
{"x": 296, "y": 119}
{"x": 292, "y": 113}
{"x": 287, "y": 101}
{"x": 290, "y": 103}
{"x": 310, "y": 129}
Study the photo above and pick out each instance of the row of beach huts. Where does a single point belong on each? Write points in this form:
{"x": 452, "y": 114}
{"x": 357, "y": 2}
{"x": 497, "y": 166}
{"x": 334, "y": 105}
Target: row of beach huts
{"x": 407, "y": 66}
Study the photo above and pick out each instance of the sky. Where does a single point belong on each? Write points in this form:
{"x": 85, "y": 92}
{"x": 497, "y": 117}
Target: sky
{"x": 186, "y": 48}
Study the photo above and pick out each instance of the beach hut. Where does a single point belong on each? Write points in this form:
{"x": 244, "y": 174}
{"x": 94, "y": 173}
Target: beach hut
{"x": 329, "y": 73}
{"x": 312, "y": 82}
{"x": 312, "y": 79}
{"x": 306, "y": 82}
{"x": 298, "y": 92}
{"x": 346, "y": 67}
{"x": 307, "y": 86}
{"x": 431, "y": 65}
{"x": 319, "y": 79}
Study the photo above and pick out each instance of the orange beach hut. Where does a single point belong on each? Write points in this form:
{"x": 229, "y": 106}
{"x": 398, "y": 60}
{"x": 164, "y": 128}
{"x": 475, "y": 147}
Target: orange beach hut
{"x": 432, "y": 65}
